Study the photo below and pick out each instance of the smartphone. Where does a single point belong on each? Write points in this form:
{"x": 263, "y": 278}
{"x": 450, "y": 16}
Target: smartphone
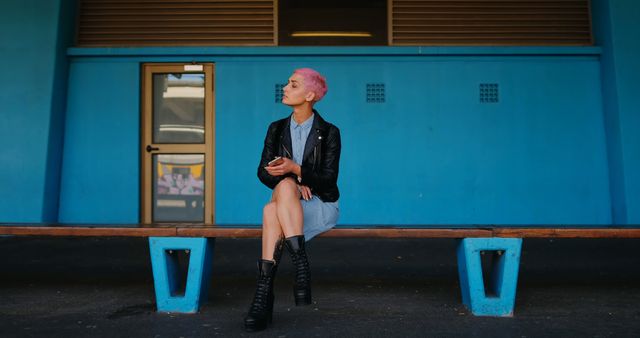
{"x": 275, "y": 161}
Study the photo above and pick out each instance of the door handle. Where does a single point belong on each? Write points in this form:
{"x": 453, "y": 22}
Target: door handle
{"x": 150, "y": 148}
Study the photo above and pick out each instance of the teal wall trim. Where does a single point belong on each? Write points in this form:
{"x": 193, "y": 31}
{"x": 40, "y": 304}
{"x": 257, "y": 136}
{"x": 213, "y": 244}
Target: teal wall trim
{"x": 64, "y": 39}
{"x": 329, "y": 51}
{"x": 616, "y": 30}
{"x": 35, "y": 36}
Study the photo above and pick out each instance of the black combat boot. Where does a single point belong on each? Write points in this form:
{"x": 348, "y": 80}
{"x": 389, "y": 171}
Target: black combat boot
{"x": 266, "y": 274}
{"x": 302, "y": 284}
{"x": 277, "y": 252}
{"x": 261, "y": 310}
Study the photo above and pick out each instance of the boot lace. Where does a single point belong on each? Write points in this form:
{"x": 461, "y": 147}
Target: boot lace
{"x": 261, "y": 297}
{"x": 302, "y": 269}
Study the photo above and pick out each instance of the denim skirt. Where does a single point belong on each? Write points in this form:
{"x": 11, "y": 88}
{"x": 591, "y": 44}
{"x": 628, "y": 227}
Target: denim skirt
{"x": 318, "y": 216}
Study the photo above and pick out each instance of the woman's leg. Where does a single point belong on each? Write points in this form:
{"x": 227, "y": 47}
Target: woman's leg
{"x": 285, "y": 205}
{"x": 271, "y": 231}
{"x": 290, "y": 215}
{"x": 288, "y": 207}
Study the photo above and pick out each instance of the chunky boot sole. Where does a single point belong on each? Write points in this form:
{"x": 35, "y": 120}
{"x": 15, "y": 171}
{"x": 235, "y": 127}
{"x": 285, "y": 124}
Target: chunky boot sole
{"x": 302, "y": 299}
{"x": 255, "y": 326}
{"x": 258, "y": 325}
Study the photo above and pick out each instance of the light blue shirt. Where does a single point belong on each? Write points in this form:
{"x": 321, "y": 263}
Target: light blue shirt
{"x": 299, "y": 134}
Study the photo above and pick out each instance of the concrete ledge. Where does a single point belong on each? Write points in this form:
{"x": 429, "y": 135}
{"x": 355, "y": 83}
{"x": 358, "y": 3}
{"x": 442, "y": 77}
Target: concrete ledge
{"x": 334, "y": 51}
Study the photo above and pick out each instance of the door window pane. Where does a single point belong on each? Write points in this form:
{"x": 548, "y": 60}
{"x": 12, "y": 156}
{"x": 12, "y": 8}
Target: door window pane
{"x": 178, "y": 188}
{"x": 178, "y": 108}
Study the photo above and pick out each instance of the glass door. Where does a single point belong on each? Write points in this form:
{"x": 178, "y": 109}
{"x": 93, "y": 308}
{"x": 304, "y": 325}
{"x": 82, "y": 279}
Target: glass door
{"x": 177, "y": 146}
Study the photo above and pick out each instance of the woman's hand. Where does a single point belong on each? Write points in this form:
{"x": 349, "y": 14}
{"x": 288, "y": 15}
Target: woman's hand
{"x": 285, "y": 167}
{"x": 305, "y": 192}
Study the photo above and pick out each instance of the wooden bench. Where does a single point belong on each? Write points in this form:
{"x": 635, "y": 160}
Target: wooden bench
{"x": 503, "y": 242}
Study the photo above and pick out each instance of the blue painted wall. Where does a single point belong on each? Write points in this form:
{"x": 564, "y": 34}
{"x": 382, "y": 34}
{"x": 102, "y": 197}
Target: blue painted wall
{"x": 616, "y": 30}
{"x": 537, "y": 156}
{"x": 35, "y": 35}
{"x": 100, "y": 179}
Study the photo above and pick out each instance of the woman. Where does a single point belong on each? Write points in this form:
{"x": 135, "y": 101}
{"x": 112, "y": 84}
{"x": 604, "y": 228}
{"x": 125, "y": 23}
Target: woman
{"x": 300, "y": 161}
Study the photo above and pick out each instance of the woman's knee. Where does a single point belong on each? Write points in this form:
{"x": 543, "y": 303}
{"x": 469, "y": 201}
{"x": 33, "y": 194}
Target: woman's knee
{"x": 286, "y": 187}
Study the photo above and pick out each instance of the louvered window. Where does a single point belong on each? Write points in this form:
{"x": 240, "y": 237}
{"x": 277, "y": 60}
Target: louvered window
{"x": 333, "y": 22}
{"x": 176, "y": 23}
{"x": 484, "y": 22}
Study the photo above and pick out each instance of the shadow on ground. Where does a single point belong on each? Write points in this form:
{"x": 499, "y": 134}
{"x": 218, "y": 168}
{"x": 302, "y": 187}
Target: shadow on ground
{"x": 101, "y": 287}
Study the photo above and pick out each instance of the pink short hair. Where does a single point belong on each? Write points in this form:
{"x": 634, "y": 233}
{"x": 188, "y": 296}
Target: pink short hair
{"x": 313, "y": 81}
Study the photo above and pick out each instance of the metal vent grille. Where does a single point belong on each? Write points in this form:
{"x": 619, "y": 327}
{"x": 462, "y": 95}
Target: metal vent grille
{"x": 375, "y": 93}
{"x": 489, "y": 93}
{"x": 279, "y": 92}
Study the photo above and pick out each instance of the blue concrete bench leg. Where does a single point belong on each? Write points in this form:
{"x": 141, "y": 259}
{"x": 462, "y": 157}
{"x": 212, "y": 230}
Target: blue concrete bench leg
{"x": 501, "y": 300}
{"x": 166, "y": 272}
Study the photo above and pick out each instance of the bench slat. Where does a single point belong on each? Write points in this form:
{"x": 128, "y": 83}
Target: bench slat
{"x": 341, "y": 232}
{"x": 567, "y": 233}
{"x": 88, "y": 231}
{"x": 407, "y": 233}
{"x": 254, "y": 231}
{"x": 219, "y": 232}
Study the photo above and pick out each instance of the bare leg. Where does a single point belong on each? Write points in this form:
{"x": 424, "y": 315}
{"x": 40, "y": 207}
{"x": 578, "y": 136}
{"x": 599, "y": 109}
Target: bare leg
{"x": 284, "y": 216}
{"x": 286, "y": 202}
{"x": 288, "y": 207}
{"x": 271, "y": 230}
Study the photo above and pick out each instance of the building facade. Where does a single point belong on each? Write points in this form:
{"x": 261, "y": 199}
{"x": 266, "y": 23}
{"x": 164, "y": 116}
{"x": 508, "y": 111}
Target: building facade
{"x": 435, "y": 134}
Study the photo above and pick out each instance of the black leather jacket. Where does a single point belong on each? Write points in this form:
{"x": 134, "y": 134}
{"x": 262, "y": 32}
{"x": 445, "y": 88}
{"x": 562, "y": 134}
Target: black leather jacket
{"x": 320, "y": 161}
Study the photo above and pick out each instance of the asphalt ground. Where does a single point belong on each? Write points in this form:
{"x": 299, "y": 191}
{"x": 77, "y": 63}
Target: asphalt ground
{"x": 103, "y": 287}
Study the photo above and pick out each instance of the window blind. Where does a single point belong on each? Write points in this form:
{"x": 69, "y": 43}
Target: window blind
{"x": 484, "y": 22}
{"x": 177, "y": 23}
